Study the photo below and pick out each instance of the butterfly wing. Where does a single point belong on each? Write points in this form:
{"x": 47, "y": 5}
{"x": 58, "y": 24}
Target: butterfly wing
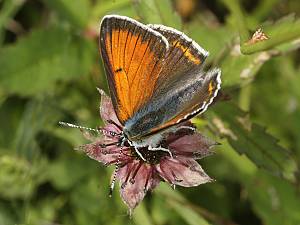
{"x": 184, "y": 100}
{"x": 184, "y": 57}
{"x": 191, "y": 99}
{"x": 132, "y": 54}
{"x": 182, "y": 89}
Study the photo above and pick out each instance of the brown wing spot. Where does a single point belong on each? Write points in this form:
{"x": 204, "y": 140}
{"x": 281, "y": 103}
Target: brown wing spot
{"x": 187, "y": 52}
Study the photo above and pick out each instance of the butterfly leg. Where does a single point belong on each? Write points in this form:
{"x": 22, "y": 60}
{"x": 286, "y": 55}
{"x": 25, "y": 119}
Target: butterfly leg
{"x": 139, "y": 153}
{"x": 160, "y": 149}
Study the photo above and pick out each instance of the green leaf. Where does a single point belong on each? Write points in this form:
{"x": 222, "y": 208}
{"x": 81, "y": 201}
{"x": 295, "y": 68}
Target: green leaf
{"x": 158, "y": 11}
{"x": 141, "y": 215}
{"x": 19, "y": 178}
{"x": 275, "y": 200}
{"x": 189, "y": 216}
{"x": 89, "y": 197}
{"x": 263, "y": 9}
{"x": 75, "y": 11}
{"x": 218, "y": 41}
{"x": 251, "y": 139}
{"x": 48, "y": 210}
{"x": 36, "y": 116}
{"x": 8, "y": 11}
{"x": 35, "y": 63}
{"x": 181, "y": 206}
{"x": 239, "y": 18}
{"x": 6, "y": 215}
{"x": 283, "y": 31}
{"x": 107, "y": 6}
{"x": 10, "y": 113}
{"x": 238, "y": 69}
{"x": 67, "y": 170}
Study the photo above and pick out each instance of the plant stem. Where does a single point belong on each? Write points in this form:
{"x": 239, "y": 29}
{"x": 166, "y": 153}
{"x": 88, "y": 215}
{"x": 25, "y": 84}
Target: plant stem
{"x": 244, "y": 98}
{"x": 239, "y": 17}
{"x": 272, "y": 42}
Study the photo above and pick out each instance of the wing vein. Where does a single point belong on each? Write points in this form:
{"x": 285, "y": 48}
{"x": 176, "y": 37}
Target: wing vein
{"x": 151, "y": 72}
{"x": 140, "y": 61}
{"x": 138, "y": 100}
{"x": 133, "y": 51}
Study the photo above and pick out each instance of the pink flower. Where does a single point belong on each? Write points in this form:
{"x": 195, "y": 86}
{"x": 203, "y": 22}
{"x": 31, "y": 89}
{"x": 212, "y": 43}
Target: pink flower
{"x": 136, "y": 175}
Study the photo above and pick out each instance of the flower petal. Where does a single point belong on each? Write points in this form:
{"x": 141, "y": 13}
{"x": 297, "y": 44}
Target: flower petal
{"x": 196, "y": 146}
{"x": 107, "y": 155}
{"x": 89, "y": 135}
{"x": 107, "y": 111}
{"x": 136, "y": 178}
{"x": 182, "y": 171}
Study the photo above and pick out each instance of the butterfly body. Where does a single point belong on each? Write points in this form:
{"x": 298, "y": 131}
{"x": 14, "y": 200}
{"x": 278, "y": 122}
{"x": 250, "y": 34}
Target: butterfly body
{"x": 155, "y": 78}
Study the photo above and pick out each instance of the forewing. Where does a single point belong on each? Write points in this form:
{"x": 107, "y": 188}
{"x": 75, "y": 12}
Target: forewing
{"x": 132, "y": 54}
{"x": 184, "y": 58}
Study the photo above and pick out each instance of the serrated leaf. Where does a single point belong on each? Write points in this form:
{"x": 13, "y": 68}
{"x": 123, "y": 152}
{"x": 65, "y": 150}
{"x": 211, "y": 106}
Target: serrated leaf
{"x": 156, "y": 11}
{"x": 75, "y": 11}
{"x": 35, "y": 63}
{"x": 251, "y": 139}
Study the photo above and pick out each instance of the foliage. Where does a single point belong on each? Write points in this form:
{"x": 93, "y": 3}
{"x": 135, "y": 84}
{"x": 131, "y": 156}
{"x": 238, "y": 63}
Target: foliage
{"x": 49, "y": 71}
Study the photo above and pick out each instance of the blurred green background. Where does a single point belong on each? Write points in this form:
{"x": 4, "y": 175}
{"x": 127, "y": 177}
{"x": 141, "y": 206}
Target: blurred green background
{"x": 49, "y": 70}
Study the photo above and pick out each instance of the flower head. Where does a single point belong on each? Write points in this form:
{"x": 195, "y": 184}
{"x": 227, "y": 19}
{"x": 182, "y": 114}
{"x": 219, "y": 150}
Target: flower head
{"x": 140, "y": 170}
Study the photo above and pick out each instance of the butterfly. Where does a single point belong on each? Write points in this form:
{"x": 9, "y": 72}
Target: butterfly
{"x": 155, "y": 77}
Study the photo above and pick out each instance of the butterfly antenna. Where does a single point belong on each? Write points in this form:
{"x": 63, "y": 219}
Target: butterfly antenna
{"x": 77, "y": 126}
{"x": 112, "y": 184}
{"x": 113, "y": 181}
